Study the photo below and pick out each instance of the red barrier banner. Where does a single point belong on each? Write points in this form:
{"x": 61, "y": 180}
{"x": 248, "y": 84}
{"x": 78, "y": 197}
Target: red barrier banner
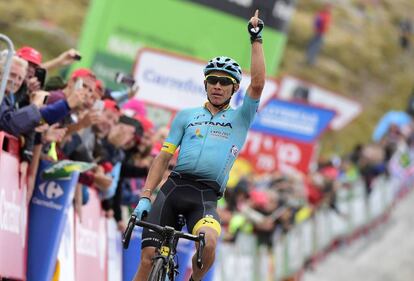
{"x": 269, "y": 153}
{"x": 91, "y": 241}
{"x": 13, "y": 212}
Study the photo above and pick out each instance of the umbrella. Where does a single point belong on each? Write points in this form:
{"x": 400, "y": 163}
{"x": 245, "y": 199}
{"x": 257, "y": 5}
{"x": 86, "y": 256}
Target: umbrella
{"x": 399, "y": 118}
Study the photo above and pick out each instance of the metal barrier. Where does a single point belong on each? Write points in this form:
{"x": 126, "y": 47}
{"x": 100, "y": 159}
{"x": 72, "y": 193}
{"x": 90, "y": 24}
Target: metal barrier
{"x": 6, "y": 69}
{"x": 311, "y": 239}
{"x": 13, "y": 211}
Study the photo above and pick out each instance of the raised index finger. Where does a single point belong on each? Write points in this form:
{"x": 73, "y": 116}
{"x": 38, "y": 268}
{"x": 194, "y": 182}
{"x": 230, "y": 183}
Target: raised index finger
{"x": 256, "y": 14}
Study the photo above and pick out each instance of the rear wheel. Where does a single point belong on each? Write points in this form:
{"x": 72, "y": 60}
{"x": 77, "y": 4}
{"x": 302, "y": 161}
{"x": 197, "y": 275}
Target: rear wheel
{"x": 157, "y": 271}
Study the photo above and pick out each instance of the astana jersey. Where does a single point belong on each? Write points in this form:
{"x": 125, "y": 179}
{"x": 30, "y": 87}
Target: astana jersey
{"x": 210, "y": 144}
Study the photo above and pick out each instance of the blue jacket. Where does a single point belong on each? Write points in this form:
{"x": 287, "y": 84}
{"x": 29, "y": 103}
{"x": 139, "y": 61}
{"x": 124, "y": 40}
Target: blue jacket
{"x": 22, "y": 121}
{"x": 18, "y": 121}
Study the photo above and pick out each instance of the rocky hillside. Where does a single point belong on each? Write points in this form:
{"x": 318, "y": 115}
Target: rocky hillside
{"x": 361, "y": 58}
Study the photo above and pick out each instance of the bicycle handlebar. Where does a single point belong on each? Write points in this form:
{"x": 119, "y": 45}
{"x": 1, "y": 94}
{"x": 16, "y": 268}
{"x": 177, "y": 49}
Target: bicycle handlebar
{"x": 160, "y": 230}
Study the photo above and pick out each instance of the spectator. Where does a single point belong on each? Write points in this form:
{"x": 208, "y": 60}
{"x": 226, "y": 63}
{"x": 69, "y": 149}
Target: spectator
{"x": 405, "y": 33}
{"x": 34, "y": 59}
{"x": 18, "y": 121}
{"x": 321, "y": 25}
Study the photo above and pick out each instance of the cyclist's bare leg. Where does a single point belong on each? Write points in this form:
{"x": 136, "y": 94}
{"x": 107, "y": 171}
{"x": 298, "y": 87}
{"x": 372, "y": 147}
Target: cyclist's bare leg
{"x": 209, "y": 253}
{"x": 145, "y": 264}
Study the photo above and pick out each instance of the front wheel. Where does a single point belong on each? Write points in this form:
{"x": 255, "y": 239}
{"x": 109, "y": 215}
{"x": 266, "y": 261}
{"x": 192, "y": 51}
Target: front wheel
{"x": 157, "y": 271}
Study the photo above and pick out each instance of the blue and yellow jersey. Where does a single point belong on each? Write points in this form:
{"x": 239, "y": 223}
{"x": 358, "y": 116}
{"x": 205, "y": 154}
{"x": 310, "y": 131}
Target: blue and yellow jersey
{"x": 210, "y": 144}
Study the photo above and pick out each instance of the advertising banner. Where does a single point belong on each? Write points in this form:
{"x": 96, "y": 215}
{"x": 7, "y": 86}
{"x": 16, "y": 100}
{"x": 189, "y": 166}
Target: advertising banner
{"x": 346, "y": 109}
{"x": 114, "y": 31}
{"x": 294, "y": 121}
{"x": 48, "y": 216}
{"x": 176, "y": 82}
{"x": 114, "y": 251}
{"x": 13, "y": 211}
{"x": 66, "y": 254}
{"x": 269, "y": 153}
{"x": 91, "y": 241}
{"x": 132, "y": 256}
{"x": 275, "y": 13}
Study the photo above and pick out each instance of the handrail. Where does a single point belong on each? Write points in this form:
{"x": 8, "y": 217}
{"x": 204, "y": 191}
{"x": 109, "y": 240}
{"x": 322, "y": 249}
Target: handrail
{"x": 7, "y": 66}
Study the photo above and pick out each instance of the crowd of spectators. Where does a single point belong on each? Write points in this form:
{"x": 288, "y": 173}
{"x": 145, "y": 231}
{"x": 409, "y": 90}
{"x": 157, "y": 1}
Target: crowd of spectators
{"x": 78, "y": 120}
{"x": 270, "y": 205}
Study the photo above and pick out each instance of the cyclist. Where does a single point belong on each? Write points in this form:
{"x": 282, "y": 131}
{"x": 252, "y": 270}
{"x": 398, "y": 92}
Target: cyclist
{"x": 209, "y": 138}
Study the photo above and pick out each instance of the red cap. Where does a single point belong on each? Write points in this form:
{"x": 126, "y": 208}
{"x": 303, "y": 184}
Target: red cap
{"x": 145, "y": 122}
{"x": 30, "y": 54}
{"x": 82, "y": 72}
{"x": 111, "y": 105}
{"x": 107, "y": 166}
{"x": 99, "y": 84}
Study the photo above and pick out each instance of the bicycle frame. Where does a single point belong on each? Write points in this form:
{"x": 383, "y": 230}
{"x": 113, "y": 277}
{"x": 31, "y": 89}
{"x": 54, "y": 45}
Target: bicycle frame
{"x": 168, "y": 249}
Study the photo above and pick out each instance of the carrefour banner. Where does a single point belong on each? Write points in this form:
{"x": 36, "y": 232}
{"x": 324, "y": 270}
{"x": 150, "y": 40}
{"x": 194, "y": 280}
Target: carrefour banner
{"x": 290, "y": 120}
{"x": 176, "y": 82}
{"x": 91, "y": 241}
{"x": 13, "y": 211}
{"x": 47, "y": 218}
{"x": 115, "y": 30}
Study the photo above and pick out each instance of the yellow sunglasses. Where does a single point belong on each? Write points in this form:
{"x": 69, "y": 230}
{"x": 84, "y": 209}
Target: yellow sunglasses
{"x": 223, "y": 80}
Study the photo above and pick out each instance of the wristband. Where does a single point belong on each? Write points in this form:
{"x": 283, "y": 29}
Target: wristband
{"x": 147, "y": 189}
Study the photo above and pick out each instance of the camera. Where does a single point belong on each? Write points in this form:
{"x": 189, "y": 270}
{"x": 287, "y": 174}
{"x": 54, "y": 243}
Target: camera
{"x": 40, "y": 74}
{"x": 77, "y": 57}
{"x": 125, "y": 79}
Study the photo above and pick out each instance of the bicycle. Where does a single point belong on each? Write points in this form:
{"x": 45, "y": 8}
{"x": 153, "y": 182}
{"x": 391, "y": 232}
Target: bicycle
{"x": 165, "y": 263}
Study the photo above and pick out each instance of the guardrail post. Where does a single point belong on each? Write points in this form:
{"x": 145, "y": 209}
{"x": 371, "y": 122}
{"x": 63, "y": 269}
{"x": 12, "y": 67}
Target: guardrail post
{"x": 6, "y": 69}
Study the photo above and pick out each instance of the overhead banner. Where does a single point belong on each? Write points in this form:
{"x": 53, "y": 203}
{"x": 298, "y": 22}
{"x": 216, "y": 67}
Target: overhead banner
{"x": 268, "y": 153}
{"x": 294, "y": 121}
{"x": 114, "y": 31}
{"x": 346, "y": 109}
{"x": 275, "y": 13}
{"x": 176, "y": 82}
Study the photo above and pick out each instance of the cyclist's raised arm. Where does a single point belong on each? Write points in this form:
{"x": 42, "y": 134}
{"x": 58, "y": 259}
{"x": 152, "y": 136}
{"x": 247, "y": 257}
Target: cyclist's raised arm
{"x": 257, "y": 67}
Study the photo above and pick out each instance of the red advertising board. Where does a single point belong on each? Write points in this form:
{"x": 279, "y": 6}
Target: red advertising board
{"x": 13, "y": 212}
{"x": 91, "y": 241}
{"x": 269, "y": 153}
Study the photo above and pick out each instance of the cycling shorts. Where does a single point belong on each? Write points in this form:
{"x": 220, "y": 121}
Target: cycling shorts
{"x": 182, "y": 194}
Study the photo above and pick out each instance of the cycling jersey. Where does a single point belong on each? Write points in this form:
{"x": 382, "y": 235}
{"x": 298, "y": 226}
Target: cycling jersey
{"x": 208, "y": 143}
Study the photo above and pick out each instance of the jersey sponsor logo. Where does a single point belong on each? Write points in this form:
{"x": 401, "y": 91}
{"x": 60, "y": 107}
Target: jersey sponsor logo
{"x": 220, "y": 124}
{"x": 197, "y": 135}
{"x": 220, "y": 134}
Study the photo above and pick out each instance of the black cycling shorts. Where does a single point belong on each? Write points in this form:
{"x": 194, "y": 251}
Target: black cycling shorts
{"x": 193, "y": 199}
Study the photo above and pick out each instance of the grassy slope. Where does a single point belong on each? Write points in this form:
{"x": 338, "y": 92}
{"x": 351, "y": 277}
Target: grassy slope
{"x": 361, "y": 58}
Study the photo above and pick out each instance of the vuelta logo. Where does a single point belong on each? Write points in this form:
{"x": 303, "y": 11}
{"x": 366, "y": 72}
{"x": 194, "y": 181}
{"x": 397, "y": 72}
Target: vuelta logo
{"x": 51, "y": 190}
{"x": 197, "y": 135}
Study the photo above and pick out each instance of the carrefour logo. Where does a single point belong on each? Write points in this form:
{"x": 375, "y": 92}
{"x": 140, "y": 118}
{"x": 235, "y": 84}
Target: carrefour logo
{"x": 51, "y": 190}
